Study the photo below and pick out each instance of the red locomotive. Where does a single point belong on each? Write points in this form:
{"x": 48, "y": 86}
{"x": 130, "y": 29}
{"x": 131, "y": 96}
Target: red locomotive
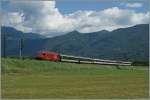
{"x": 46, "y": 55}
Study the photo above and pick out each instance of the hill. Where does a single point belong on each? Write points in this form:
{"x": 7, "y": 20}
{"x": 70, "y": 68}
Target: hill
{"x": 125, "y": 44}
{"x": 130, "y": 43}
{"x": 11, "y": 32}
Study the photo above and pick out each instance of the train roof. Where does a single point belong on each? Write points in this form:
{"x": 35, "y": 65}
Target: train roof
{"x": 48, "y": 52}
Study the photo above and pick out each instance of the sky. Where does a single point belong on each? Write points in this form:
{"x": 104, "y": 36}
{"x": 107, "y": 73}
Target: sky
{"x": 54, "y": 18}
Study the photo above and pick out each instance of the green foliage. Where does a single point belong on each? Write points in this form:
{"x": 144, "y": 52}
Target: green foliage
{"x": 140, "y": 63}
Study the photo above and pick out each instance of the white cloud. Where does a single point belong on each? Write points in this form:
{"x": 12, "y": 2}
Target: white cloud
{"x": 43, "y": 17}
{"x": 134, "y": 5}
{"x": 109, "y": 19}
{"x": 15, "y": 19}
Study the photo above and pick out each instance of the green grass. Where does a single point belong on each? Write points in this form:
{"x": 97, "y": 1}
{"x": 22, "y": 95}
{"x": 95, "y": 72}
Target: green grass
{"x": 44, "y": 79}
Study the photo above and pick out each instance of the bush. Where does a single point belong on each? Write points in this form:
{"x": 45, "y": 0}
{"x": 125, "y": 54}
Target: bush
{"x": 140, "y": 63}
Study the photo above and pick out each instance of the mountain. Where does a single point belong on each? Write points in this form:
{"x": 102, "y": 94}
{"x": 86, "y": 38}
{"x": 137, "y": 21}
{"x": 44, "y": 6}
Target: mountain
{"x": 13, "y": 33}
{"x": 12, "y": 42}
{"x": 130, "y": 43}
{"x": 126, "y": 43}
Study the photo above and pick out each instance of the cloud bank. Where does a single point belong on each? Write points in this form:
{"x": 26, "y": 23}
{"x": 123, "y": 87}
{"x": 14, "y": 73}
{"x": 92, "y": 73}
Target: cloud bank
{"x": 134, "y": 5}
{"x": 44, "y": 18}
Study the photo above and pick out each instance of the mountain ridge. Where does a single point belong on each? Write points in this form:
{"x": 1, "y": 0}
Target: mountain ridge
{"x": 11, "y": 32}
{"x": 130, "y": 43}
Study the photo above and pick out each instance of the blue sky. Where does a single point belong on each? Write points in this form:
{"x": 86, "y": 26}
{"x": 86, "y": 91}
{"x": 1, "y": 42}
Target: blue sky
{"x": 53, "y": 18}
{"x": 72, "y": 5}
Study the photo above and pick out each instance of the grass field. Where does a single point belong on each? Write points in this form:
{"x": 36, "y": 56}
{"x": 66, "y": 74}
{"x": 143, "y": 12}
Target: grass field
{"x": 44, "y": 79}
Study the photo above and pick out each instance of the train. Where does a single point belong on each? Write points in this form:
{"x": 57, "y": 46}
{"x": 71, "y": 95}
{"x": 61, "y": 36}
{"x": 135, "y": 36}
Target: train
{"x": 53, "y": 56}
{"x": 50, "y": 56}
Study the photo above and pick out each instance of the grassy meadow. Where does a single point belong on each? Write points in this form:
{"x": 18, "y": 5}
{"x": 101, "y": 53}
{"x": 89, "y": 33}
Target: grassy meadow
{"x": 43, "y": 79}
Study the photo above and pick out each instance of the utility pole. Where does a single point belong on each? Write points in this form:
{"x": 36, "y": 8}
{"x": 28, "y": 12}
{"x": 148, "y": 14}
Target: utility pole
{"x": 4, "y": 45}
{"x": 20, "y": 48}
